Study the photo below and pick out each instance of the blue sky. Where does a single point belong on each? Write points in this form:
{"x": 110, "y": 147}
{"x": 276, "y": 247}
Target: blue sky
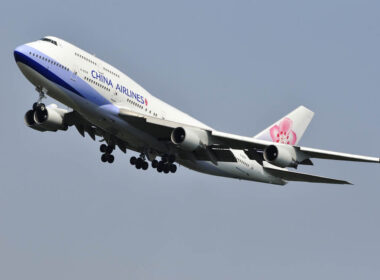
{"x": 237, "y": 66}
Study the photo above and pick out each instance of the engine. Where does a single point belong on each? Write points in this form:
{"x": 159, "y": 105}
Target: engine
{"x": 46, "y": 118}
{"x": 282, "y": 156}
{"x": 189, "y": 139}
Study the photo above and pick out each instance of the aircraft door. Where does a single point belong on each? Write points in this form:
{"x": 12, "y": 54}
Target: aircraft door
{"x": 74, "y": 75}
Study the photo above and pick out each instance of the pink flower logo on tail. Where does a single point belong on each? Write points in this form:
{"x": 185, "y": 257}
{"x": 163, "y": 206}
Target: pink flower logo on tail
{"x": 283, "y": 132}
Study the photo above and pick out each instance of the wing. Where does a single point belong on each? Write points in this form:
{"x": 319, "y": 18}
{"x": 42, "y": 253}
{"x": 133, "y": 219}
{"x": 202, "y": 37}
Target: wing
{"x": 162, "y": 129}
{"x": 316, "y": 153}
{"x": 159, "y": 128}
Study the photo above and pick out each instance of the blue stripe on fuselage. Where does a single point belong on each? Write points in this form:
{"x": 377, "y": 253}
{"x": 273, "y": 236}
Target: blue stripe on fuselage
{"x": 58, "y": 75}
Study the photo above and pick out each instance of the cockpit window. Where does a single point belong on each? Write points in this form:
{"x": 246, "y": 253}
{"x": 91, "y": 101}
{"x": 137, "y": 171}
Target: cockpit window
{"x": 49, "y": 40}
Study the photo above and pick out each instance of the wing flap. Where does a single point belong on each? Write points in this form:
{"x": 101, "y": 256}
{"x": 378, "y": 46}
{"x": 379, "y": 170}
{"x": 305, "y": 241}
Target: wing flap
{"x": 303, "y": 177}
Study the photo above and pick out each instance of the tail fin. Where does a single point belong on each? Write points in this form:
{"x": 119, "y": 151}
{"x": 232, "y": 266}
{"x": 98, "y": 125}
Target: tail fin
{"x": 289, "y": 129}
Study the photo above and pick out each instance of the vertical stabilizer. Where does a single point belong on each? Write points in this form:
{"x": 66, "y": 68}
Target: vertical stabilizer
{"x": 290, "y": 129}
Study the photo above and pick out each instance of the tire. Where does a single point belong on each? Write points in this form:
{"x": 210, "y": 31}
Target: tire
{"x": 154, "y": 163}
{"x": 111, "y": 158}
{"x": 103, "y": 148}
{"x": 145, "y": 165}
{"x": 104, "y": 157}
{"x": 133, "y": 160}
{"x": 41, "y": 107}
{"x": 138, "y": 164}
{"x": 166, "y": 168}
{"x": 173, "y": 168}
{"x": 109, "y": 149}
{"x": 35, "y": 104}
{"x": 159, "y": 169}
{"x": 160, "y": 165}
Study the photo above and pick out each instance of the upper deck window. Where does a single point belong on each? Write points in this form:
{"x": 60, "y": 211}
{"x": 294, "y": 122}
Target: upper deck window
{"x": 50, "y": 41}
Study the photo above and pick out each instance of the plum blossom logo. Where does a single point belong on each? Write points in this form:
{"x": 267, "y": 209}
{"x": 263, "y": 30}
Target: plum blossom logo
{"x": 283, "y": 132}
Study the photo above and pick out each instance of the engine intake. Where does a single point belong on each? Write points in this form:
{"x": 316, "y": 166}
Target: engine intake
{"x": 48, "y": 118}
{"x": 282, "y": 156}
{"x": 188, "y": 139}
{"x": 29, "y": 121}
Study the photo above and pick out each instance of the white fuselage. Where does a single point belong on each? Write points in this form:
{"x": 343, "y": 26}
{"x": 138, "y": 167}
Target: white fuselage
{"x": 97, "y": 91}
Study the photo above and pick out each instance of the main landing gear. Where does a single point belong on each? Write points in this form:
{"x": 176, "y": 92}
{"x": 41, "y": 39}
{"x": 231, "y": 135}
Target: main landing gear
{"x": 166, "y": 164}
{"x": 107, "y": 153}
{"x": 140, "y": 162}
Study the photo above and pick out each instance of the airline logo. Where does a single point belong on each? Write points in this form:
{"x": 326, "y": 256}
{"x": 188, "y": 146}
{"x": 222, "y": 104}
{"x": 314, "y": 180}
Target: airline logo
{"x": 283, "y": 132}
{"x": 121, "y": 88}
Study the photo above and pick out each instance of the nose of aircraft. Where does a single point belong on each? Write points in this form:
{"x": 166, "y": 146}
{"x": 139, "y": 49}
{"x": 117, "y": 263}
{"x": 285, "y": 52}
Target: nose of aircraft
{"x": 19, "y": 52}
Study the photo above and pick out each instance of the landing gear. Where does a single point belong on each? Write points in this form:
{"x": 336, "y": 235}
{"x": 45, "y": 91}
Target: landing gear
{"x": 166, "y": 164}
{"x": 133, "y": 160}
{"x": 145, "y": 165}
{"x": 107, "y": 153}
{"x": 140, "y": 162}
{"x": 173, "y": 168}
{"x": 38, "y": 105}
{"x": 154, "y": 163}
{"x": 41, "y": 95}
{"x": 103, "y": 148}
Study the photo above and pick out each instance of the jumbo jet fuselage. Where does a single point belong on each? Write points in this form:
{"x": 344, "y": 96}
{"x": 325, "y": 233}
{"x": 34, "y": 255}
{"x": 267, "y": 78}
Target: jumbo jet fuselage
{"x": 97, "y": 90}
{"x": 118, "y": 109}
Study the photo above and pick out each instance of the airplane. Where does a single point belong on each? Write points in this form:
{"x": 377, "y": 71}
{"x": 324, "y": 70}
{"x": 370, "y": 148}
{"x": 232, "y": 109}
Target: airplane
{"x": 108, "y": 104}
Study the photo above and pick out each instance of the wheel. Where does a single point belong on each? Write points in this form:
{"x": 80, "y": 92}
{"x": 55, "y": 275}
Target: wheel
{"x": 166, "y": 168}
{"x": 173, "y": 168}
{"x": 109, "y": 149}
{"x": 103, "y": 148}
{"x": 41, "y": 107}
{"x": 145, "y": 165}
{"x": 35, "y": 104}
{"x": 104, "y": 157}
{"x": 171, "y": 158}
{"x": 139, "y": 163}
{"x": 159, "y": 169}
{"x": 111, "y": 158}
{"x": 154, "y": 163}
{"x": 133, "y": 160}
{"x": 160, "y": 165}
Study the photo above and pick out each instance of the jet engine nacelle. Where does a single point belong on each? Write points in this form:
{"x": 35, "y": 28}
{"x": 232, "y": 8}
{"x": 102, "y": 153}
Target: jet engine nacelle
{"x": 281, "y": 155}
{"x": 50, "y": 118}
{"x": 189, "y": 139}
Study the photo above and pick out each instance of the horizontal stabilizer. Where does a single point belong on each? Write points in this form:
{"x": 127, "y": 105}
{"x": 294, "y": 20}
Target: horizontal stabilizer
{"x": 302, "y": 177}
